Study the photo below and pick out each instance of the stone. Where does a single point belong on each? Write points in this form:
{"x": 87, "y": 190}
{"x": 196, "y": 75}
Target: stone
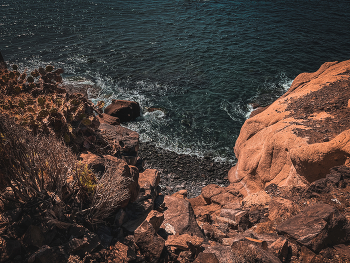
{"x": 150, "y": 243}
{"x": 211, "y": 190}
{"x": 260, "y": 198}
{"x": 281, "y": 209}
{"x": 284, "y": 144}
{"x": 121, "y": 253}
{"x": 197, "y": 201}
{"x": 316, "y": 227}
{"x": 180, "y": 194}
{"x": 204, "y": 212}
{"x": 149, "y": 179}
{"x": 184, "y": 241}
{"x": 206, "y": 258}
{"x": 280, "y": 248}
{"x": 108, "y": 119}
{"x": 122, "y": 140}
{"x": 249, "y": 251}
{"x": 307, "y": 255}
{"x": 222, "y": 253}
{"x": 179, "y": 214}
{"x": 94, "y": 162}
{"x": 212, "y": 232}
{"x": 156, "y": 219}
{"x": 49, "y": 254}
{"x": 81, "y": 240}
{"x": 123, "y": 109}
{"x": 223, "y": 198}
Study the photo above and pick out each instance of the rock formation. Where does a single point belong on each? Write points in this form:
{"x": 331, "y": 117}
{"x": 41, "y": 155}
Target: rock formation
{"x": 298, "y": 138}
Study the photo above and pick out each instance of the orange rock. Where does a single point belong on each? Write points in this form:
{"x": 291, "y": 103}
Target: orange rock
{"x": 210, "y": 191}
{"x": 281, "y": 208}
{"x": 299, "y": 137}
{"x": 182, "y": 241}
{"x": 197, "y": 201}
{"x": 180, "y": 194}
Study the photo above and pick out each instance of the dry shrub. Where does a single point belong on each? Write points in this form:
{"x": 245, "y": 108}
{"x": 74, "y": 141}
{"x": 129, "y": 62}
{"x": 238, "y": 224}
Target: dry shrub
{"x": 33, "y": 165}
{"x": 111, "y": 192}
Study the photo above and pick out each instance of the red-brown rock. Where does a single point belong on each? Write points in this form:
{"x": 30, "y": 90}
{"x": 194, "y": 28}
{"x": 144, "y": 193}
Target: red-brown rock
{"x": 108, "y": 119}
{"x": 206, "y": 258}
{"x": 280, "y": 248}
{"x": 123, "y": 140}
{"x": 180, "y": 216}
{"x": 316, "y": 227}
{"x": 298, "y": 138}
{"x": 123, "y": 109}
{"x": 281, "y": 209}
{"x": 210, "y": 191}
{"x": 149, "y": 242}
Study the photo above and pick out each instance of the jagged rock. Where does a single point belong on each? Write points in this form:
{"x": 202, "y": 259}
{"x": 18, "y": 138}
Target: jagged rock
{"x": 260, "y": 198}
{"x": 197, "y": 201}
{"x": 248, "y": 251}
{"x": 123, "y": 109}
{"x": 223, "y": 198}
{"x": 184, "y": 242}
{"x": 94, "y": 162}
{"x": 121, "y": 253}
{"x": 212, "y": 232}
{"x": 204, "y": 213}
{"x": 206, "y": 258}
{"x": 179, "y": 214}
{"x": 81, "y": 241}
{"x": 49, "y": 254}
{"x": 123, "y": 140}
{"x": 180, "y": 194}
{"x": 149, "y": 242}
{"x": 280, "y": 248}
{"x": 210, "y": 191}
{"x": 316, "y": 227}
{"x": 138, "y": 211}
{"x": 108, "y": 119}
{"x": 298, "y": 138}
{"x": 281, "y": 209}
{"x": 156, "y": 219}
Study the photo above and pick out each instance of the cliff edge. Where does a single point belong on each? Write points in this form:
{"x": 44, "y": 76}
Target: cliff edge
{"x": 298, "y": 138}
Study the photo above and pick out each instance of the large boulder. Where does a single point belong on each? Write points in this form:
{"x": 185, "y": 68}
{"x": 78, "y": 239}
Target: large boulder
{"x": 316, "y": 227}
{"x": 123, "y": 109}
{"x": 298, "y": 138}
{"x": 125, "y": 142}
{"x": 179, "y": 217}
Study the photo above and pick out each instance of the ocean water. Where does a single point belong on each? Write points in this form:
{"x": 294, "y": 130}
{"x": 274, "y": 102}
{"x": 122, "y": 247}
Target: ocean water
{"x": 201, "y": 62}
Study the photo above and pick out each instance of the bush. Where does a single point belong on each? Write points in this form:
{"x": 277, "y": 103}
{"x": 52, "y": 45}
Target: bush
{"x": 33, "y": 165}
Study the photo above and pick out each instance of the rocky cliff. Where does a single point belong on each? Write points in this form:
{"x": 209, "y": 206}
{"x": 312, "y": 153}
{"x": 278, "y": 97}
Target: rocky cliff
{"x": 298, "y": 138}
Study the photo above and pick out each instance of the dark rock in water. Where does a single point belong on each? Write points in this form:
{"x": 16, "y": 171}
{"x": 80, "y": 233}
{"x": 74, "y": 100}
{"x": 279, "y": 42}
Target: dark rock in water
{"x": 317, "y": 227}
{"x": 124, "y": 110}
{"x": 2, "y": 62}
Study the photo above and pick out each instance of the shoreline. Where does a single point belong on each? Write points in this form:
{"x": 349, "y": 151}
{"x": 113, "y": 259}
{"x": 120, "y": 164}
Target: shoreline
{"x": 181, "y": 171}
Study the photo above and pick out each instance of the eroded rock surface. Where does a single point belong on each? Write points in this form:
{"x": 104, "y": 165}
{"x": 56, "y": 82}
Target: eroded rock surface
{"x": 298, "y": 138}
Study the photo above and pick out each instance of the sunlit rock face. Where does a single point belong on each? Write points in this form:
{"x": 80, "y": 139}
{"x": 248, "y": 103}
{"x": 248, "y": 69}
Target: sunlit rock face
{"x": 298, "y": 138}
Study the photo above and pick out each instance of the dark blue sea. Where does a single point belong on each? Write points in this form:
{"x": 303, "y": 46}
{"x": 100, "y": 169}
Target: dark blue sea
{"x": 202, "y": 62}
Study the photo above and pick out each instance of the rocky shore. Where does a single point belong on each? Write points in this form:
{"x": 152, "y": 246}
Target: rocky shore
{"x": 287, "y": 199}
